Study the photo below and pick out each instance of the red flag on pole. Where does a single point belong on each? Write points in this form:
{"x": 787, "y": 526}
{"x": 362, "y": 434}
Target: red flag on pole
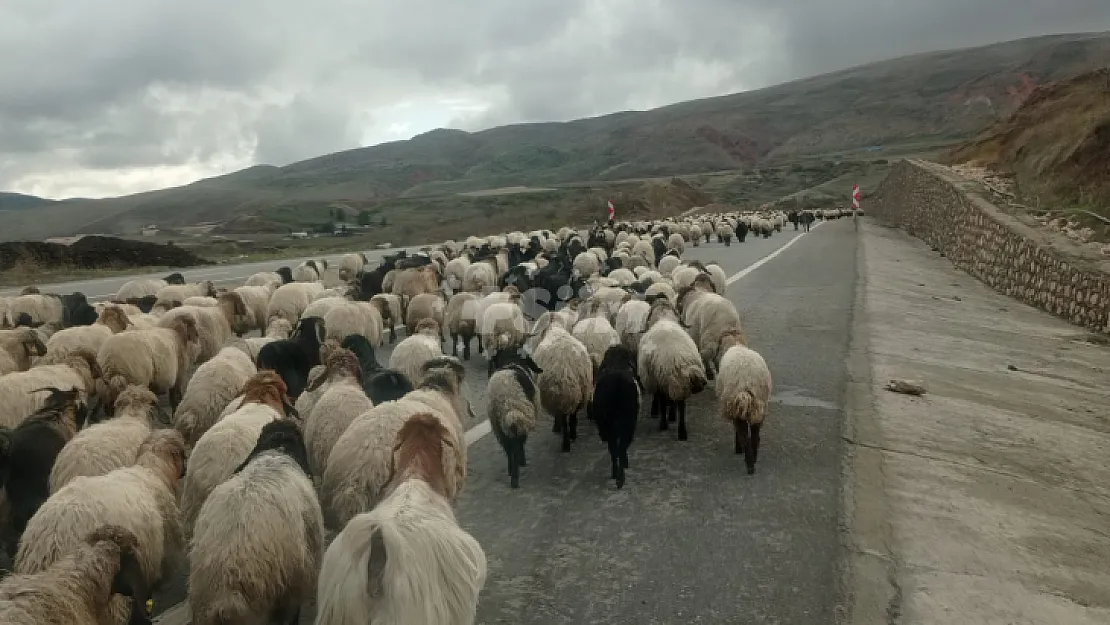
{"x": 612, "y": 211}
{"x": 855, "y": 196}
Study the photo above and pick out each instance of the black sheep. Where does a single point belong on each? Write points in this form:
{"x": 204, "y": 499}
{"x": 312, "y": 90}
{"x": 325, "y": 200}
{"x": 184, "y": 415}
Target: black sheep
{"x": 616, "y": 406}
{"x": 174, "y": 278}
{"x": 294, "y": 357}
{"x": 379, "y": 384}
{"x": 28, "y": 452}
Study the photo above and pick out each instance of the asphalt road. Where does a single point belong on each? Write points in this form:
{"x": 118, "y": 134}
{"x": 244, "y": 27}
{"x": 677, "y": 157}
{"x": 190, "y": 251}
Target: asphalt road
{"x": 691, "y": 538}
{"x": 98, "y": 289}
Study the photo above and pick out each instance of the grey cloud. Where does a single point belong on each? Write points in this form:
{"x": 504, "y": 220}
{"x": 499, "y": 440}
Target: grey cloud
{"x": 127, "y": 84}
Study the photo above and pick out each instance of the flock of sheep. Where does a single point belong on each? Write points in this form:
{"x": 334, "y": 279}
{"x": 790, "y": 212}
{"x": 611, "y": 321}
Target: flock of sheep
{"x": 280, "y": 437}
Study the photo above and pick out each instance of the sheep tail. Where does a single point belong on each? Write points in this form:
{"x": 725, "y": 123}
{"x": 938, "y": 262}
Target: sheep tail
{"x": 230, "y": 609}
{"x": 516, "y": 423}
{"x": 116, "y": 384}
{"x": 735, "y": 407}
{"x": 698, "y": 380}
{"x": 348, "y": 588}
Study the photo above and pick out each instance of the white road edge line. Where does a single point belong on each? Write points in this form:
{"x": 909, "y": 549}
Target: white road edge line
{"x": 762, "y": 261}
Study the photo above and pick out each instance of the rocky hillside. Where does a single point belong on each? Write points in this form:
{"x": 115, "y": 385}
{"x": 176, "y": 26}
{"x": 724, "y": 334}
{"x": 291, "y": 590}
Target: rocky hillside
{"x": 922, "y": 99}
{"x": 1056, "y": 146}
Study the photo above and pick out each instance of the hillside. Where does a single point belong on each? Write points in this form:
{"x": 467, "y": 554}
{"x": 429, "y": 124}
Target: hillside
{"x": 1056, "y": 146}
{"x": 19, "y": 201}
{"x": 900, "y": 104}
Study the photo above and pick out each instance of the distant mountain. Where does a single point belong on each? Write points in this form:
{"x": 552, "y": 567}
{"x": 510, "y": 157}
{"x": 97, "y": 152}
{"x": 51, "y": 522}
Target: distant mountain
{"x": 922, "y": 99}
{"x": 19, "y": 201}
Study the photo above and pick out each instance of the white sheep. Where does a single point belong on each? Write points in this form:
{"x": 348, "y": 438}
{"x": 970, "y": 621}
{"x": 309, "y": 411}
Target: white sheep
{"x": 340, "y": 402}
{"x": 259, "y": 538}
{"x": 256, "y": 300}
{"x": 213, "y": 385}
{"x": 597, "y": 335}
{"x": 586, "y": 264}
{"x": 112, "y": 320}
{"x": 109, "y": 445}
{"x": 461, "y": 321}
{"x": 361, "y": 462}
{"x": 227, "y": 443}
{"x": 622, "y": 277}
{"x": 214, "y": 325}
{"x": 140, "y": 498}
{"x": 411, "y": 354}
{"x": 350, "y": 318}
{"x": 712, "y": 321}
{"x": 512, "y": 407}
{"x": 172, "y": 295}
{"x": 289, "y": 301}
{"x": 669, "y": 365}
{"x": 18, "y": 347}
{"x": 389, "y": 309}
{"x": 720, "y": 280}
{"x": 18, "y": 399}
{"x": 140, "y": 288}
{"x": 743, "y": 393}
{"x": 480, "y": 277}
{"x": 567, "y": 382}
{"x": 158, "y": 358}
{"x": 502, "y": 326}
{"x": 668, "y": 264}
{"x": 632, "y": 323}
{"x": 265, "y": 278}
{"x": 424, "y": 306}
{"x": 350, "y": 265}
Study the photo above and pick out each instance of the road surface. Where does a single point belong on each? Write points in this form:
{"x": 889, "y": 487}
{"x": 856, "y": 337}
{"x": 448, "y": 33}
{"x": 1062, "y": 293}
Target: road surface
{"x": 691, "y": 538}
{"x": 97, "y": 289}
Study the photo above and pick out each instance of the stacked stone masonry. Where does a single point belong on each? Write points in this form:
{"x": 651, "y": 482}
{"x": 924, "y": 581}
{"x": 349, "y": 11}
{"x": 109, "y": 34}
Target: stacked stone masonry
{"x": 991, "y": 245}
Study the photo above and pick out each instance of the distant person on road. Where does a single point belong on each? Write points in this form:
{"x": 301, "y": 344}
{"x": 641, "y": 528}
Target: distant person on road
{"x": 792, "y": 216}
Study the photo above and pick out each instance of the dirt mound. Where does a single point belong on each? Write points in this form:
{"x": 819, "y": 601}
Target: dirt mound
{"x": 94, "y": 252}
{"x": 1056, "y": 145}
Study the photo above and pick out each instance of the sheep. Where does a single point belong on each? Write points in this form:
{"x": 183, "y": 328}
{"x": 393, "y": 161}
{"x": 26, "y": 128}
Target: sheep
{"x": 616, "y": 406}
{"x": 112, "y": 320}
{"x": 250, "y": 345}
{"x": 140, "y": 498}
{"x": 586, "y": 264}
{"x": 411, "y": 354}
{"x": 294, "y": 358}
{"x": 710, "y": 319}
{"x": 350, "y": 265}
{"x": 695, "y": 235}
{"x": 268, "y": 278}
{"x": 480, "y": 277}
{"x": 158, "y": 359}
{"x": 290, "y": 300}
{"x": 669, "y": 365}
{"x": 743, "y": 393}
{"x": 461, "y": 320}
{"x": 724, "y": 234}
{"x": 565, "y": 318}
{"x": 409, "y": 283}
{"x": 78, "y": 588}
{"x": 18, "y": 347}
{"x": 323, "y": 305}
{"x": 622, "y": 277}
{"x": 597, "y": 336}
{"x": 676, "y": 242}
{"x": 379, "y": 384}
{"x": 146, "y": 287}
{"x": 31, "y": 449}
{"x": 389, "y": 308}
{"x": 227, "y": 443}
{"x": 720, "y": 280}
{"x": 213, "y": 385}
{"x": 198, "y": 300}
{"x": 19, "y": 392}
{"x": 360, "y": 465}
{"x": 512, "y": 406}
{"x": 335, "y": 409}
{"x": 668, "y": 264}
{"x": 455, "y": 272}
{"x": 502, "y": 327}
{"x": 278, "y": 328}
{"x": 407, "y": 560}
{"x": 631, "y": 323}
{"x": 307, "y": 271}
{"x": 173, "y": 295}
{"x": 214, "y": 324}
{"x": 661, "y": 288}
{"x": 109, "y": 445}
{"x": 51, "y": 312}
{"x": 424, "y": 306}
{"x": 566, "y": 382}
{"x": 259, "y": 537}
{"x": 360, "y": 318}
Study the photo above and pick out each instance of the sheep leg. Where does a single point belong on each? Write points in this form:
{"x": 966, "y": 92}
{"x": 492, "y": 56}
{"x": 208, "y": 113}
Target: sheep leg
{"x": 565, "y": 423}
{"x": 662, "y": 412}
{"x": 514, "y": 465}
{"x": 681, "y": 407}
{"x": 655, "y": 404}
{"x": 751, "y": 453}
{"x": 572, "y": 422}
{"x": 454, "y": 345}
{"x": 710, "y": 374}
{"x": 175, "y": 397}
{"x": 741, "y": 436}
{"x": 672, "y": 411}
{"x": 556, "y": 426}
{"x": 392, "y": 332}
{"x": 624, "y": 453}
{"x": 479, "y": 343}
{"x": 615, "y": 459}
{"x": 466, "y": 348}
{"x": 521, "y": 458}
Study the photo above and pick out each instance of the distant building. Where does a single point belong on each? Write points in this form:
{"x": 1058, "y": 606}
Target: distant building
{"x": 65, "y": 240}
{"x": 149, "y": 231}
{"x": 299, "y": 235}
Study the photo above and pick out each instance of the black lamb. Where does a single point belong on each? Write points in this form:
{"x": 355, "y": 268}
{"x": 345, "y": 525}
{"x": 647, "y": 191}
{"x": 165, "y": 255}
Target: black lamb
{"x": 616, "y": 406}
{"x": 379, "y": 384}
{"x": 294, "y": 357}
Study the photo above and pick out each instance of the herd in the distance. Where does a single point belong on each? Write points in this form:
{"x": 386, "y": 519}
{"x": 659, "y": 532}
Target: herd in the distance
{"x": 286, "y": 428}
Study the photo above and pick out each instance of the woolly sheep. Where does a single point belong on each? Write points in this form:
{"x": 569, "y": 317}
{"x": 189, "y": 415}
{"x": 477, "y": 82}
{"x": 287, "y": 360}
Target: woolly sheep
{"x": 695, "y": 235}
{"x": 389, "y": 308}
{"x": 668, "y": 264}
{"x": 172, "y": 295}
{"x": 512, "y": 406}
{"x": 140, "y": 498}
{"x": 597, "y": 336}
{"x": 265, "y": 278}
{"x": 455, "y": 272}
{"x": 480, "y": 277}
{"x": 18, "y": 396}
{"x": 566, "y": 383}
{"x": 677, "y": 243}
{"x": 713, "y": 322}
{"x": 350, "y": 265}
{"x": 77, "y": 588}
{"x": 720, "y": 280}
{"x": 259, "y": 538}
{"x": 409, "y": 283}
{"x": 256, "y": 300}
{"x": 361, "y": 462}
{"x": 743, "y": 393}
{"x": 586, "y": 264}
{"x": 109, "y": 445}
{"x": 213, "y": 385}
{"x": 502, "y": 327}
{"x": 158, "y": 359}
{"x": 307, "y": 271}
{"x": 337, "y": 406}
{"x": 411, "y": 354}
{"x": 461, "y": 321}
{"x": 323, "y": 305}
{"x": 50, "y": 312}
{"x": 351, "y": 318}
{"x": 724, "y": 234}
{"x": 112, "y": 320}
{"x": 622, "y": 277}
{"x": 228, "y": 443}
{"x": 424, "y": 306}
{"x": 658, "y": 289}
{"x": 289, "y": 301}
{"x": 19, "y": 346}
{"x": 410, "y": 549}
{"x": 669, "y": 365}
{"x": 632, "y": 323}
{"x": 213, "y": 324}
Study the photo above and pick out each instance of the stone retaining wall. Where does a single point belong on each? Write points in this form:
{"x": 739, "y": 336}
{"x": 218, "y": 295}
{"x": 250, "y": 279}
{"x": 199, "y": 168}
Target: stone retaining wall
{"x": 1018, "y": 260}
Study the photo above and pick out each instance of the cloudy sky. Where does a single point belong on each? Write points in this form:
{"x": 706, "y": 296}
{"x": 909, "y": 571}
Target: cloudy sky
{"x": 106, "y": 97}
